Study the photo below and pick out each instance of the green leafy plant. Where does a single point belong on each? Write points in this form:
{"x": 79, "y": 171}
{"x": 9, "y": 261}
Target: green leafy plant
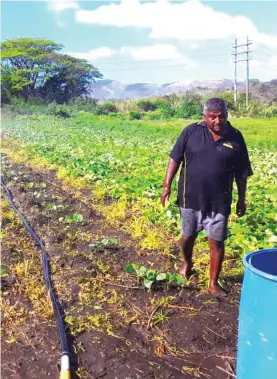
{"x": 3, "y": 271}
{"x": 135, "y": 115}
{"x": 106, "y": 242}
{"x": 151, "y": 276}
{"x": 92, "y": 149}
{"x": 75, "y": 218}
{"x": 54, "y": 207}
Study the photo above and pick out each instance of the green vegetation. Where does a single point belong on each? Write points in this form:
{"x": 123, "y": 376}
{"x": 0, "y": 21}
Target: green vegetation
{"x": 124, "y": 164}
{"x": 34, "y": 69}
{"x": 105, "y": 242}
{"x": 36, "y": 78}
{"x": 151, "y": 276}
{"x": 75, "y": 218}
{"x": 181, "y": 106}
{"x": 3, "y": 271}
{"x": 118, "y": 150}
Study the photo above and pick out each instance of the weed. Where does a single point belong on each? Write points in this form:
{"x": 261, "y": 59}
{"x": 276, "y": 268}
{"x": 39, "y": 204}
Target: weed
{"x": 159, "y": 317}
{"x": 102, "y": 267}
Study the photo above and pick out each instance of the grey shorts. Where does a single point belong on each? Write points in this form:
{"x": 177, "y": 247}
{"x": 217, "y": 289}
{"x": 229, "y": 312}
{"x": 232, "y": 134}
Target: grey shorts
{"x": 214, "y": 224}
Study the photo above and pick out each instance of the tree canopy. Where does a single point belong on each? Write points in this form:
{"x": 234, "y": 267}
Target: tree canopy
{"x": 36, "y": 68}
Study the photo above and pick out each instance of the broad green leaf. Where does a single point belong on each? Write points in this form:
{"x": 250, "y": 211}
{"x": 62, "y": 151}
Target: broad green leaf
{"x": 179, "y": 278}
{"x": 75, "y": 218}
{"x": 169, "y": 276}
{"x": 78, "y": 217}
{"x": 151, "y": 275}
{"x": 147, "y": 283}
{"x": 3, "y": 272}
{"x": 142, "y": 270}
{"x": 161, "y": 276}
{"x": 109, "y": 241}
{"x": 129, "y": 268}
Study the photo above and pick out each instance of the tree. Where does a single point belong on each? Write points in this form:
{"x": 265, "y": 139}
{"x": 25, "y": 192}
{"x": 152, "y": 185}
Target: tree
{"x": 26, "y": 63}
{"x": 35, "y": 67}
{"x": 71, "y": 80}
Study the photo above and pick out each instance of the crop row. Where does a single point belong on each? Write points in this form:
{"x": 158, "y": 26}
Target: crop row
{"x": 124, "y": 165}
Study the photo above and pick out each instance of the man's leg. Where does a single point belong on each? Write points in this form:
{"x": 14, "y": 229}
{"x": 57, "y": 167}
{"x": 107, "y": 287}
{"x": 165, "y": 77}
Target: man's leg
{"x": 216, "y": 259}
{"x": 186, "y": 244}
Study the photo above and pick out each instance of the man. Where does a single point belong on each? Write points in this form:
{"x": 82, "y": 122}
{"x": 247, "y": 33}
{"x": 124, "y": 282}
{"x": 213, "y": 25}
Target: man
{"x": 212, "y": 154}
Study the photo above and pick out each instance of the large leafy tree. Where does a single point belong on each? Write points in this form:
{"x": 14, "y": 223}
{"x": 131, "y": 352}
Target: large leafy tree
{"x": 71, "y": 79}
{"x": 34, "y": 68}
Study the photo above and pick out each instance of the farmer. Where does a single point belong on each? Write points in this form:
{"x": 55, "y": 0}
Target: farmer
{"x": 212, "y": 153}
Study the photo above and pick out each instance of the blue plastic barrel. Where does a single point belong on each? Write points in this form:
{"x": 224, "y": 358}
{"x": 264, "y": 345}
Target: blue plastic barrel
{"x": 257, "y": 337}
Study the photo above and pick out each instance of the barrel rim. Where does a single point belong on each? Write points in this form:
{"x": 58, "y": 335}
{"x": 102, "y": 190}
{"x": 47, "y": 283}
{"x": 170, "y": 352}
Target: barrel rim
{"x": 247, "y": 264}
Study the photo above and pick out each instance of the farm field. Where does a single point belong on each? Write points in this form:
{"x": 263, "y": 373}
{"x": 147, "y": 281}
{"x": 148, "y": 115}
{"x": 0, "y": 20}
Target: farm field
{"x": 90, "y": 187}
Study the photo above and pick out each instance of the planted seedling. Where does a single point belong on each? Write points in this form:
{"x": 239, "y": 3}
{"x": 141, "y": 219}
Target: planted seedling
{"x": 75, "y": 218}
{"x": 152, "y": 276}
{"x": 3, "y": 272}
{"x": 106, "y": 242}
{"x": 56, "y": 207}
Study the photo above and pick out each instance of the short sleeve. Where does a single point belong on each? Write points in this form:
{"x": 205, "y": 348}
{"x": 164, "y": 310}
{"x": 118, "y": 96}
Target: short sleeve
{"x": 177, "y": 153}
{"x": 242, "y": 166}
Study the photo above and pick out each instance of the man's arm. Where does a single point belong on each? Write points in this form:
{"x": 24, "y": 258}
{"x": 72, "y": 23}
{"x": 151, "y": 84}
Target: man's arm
{"x": 243, "y": 170}
{"x": 241, "y": 207}
{"x": 176, "y": 157}
{"x": 171, "y": 171}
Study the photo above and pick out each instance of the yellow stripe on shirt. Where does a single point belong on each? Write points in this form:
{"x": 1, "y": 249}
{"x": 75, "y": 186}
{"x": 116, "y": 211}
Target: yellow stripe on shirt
{"x": 185, "y": 174}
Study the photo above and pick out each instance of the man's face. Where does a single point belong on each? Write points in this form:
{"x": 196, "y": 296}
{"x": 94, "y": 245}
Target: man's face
{"x": 216, "y": 121}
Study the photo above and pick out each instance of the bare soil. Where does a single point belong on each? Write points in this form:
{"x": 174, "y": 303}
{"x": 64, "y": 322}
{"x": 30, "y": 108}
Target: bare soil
{"x": 114, "y": 331}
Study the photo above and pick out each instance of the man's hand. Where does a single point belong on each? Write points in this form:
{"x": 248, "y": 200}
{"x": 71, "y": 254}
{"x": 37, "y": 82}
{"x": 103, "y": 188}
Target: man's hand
{"x": 165, "y": 195}
{"x": 172, "y": 168}
{"x": 241, "y": 208}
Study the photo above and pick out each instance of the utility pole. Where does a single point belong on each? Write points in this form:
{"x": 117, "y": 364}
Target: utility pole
{"x": 235, "y": 72}
{"x": 245, "y": 59}
{"x": 247, "y": 72}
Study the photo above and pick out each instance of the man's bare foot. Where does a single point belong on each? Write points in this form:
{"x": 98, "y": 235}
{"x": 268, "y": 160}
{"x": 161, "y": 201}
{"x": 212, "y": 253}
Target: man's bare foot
{"x": 215, "y": 289}
{"x": 186, "y": 270}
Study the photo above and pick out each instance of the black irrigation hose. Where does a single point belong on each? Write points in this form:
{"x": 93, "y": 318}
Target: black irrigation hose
{"x": 46, "y": 274}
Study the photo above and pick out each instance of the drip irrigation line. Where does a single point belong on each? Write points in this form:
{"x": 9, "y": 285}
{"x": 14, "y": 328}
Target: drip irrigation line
{"x": 46, "y": 275}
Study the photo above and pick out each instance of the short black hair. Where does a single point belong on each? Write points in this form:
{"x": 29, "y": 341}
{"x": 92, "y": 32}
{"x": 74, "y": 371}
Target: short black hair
{"x": 215, "y": 104}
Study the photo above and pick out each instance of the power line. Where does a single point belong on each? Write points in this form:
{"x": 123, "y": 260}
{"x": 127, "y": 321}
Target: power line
{"x": 157, "y": 66}
{"x": 265, "y": 54}
{"x": 117, "y": 60}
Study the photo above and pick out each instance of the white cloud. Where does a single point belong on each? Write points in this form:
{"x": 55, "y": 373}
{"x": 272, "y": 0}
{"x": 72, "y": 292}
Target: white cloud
{"x": 264, "y": 69}
{"x": 269, "y": 63}
{"x": 187, "y": 21}
{"x": 93, "y": 55}
{"x": 162, "y": 52}
{"x": 152, "y": 53}
{"x": 62, "y": 5}
{"x": 273, "y": 62}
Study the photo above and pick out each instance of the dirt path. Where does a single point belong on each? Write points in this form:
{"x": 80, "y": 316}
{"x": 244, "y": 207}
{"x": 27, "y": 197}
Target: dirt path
{"x": 115, "y": 331}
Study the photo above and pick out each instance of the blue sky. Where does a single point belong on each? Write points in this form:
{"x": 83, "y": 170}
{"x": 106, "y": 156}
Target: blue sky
{"x": 159, "y": 41}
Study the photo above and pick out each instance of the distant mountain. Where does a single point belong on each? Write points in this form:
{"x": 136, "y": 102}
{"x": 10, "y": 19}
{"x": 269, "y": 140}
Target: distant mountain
{"x": 113, "y": 89}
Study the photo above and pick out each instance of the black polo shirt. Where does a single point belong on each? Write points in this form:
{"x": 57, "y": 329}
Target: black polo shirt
{"x": 209, "y": 167}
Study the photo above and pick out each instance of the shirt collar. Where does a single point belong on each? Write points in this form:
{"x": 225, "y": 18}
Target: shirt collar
{"x": 229, "y": 126}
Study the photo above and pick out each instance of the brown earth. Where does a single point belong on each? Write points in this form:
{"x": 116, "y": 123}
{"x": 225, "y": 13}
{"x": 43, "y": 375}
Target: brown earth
{"x": 114, "y": 330}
